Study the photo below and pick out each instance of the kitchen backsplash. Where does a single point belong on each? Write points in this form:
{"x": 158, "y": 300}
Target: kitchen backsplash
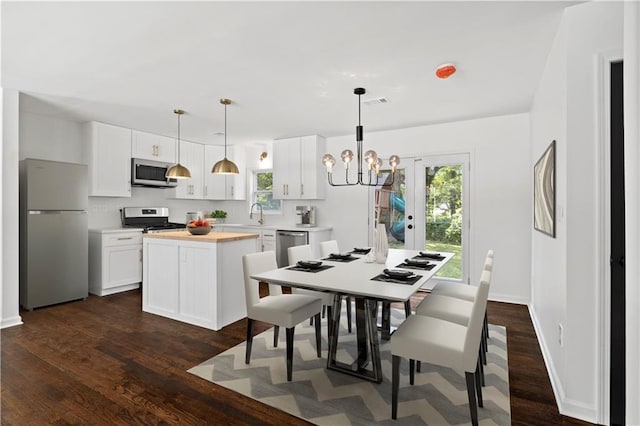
{"x": 104, "y": 212}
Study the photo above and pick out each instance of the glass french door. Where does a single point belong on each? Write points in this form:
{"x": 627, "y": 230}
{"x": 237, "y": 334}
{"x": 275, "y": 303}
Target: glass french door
{"x": 426, "y": 208}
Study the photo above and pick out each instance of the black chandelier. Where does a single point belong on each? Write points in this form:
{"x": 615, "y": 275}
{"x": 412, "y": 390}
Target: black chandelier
{"x": 370, "y": 157}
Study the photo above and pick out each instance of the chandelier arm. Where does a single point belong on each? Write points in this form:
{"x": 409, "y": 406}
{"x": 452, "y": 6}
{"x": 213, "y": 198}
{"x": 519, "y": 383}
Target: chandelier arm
{"x": 329, "y": 177}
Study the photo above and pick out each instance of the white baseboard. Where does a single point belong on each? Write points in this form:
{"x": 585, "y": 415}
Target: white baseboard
{"x": 566, "y": 406}
{"x": 10, "y": 322}
{"x": 504, "y": 298}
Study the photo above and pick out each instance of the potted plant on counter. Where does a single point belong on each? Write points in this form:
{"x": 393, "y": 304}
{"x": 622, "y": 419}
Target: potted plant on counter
{"x": 219, "y": 215}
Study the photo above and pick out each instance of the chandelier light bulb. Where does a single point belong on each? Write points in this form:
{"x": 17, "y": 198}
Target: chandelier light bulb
{"x": 377, "y": 165}
{"x": 394, "y": 160}
{"x": 347, "y": 157}
{"x": 328, "y": 161}
{"x": 370, "y": 157}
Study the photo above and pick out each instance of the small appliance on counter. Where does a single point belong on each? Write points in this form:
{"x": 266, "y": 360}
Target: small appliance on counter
{"x": 194, "y": 216}
{"x": 150, "y": 219}
{"x": 305, "y": 216}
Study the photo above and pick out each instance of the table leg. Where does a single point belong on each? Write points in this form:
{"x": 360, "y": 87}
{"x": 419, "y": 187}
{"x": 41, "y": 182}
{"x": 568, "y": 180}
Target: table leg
{"x": 361, "y": 333}
{"x": 333, "y": 335}
{"x": 371, "y": 308}
{"x": 385, "y": 327}
{"x": 367, "y": 341}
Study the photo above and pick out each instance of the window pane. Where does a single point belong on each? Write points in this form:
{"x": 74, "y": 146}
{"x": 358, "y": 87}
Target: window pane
{"x": 389, "y": 206}
{"x": 266, "y": 200}
{"x": 264, "y": 181}
{"x": 262, "y": 191}
{"x": 444, "y": 215}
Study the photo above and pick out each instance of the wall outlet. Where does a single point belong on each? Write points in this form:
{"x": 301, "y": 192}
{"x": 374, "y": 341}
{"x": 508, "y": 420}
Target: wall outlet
{"x": 560, "y": 335}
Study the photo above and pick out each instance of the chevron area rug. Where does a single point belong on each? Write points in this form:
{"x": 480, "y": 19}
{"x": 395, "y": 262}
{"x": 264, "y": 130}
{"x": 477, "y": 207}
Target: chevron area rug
{"x": 325, "y": 397}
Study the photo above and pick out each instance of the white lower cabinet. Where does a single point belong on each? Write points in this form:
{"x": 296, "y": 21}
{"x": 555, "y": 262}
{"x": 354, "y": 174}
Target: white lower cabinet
{"x": 200, "y": 283}
{"x": 115, "y": 261}
{"x": 266, "y": 237}
{"x": 268, "y": 240}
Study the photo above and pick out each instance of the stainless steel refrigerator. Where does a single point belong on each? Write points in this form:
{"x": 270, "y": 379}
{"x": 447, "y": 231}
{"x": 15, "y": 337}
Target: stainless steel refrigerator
{"x": 53, "y": 232}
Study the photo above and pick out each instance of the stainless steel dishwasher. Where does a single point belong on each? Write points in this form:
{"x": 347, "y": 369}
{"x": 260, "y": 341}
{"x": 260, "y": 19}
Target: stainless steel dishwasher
{"x": 286, "y": 239}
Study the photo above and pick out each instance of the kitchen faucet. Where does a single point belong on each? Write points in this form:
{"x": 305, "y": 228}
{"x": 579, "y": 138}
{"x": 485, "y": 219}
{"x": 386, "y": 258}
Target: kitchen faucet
{"x": 261, "y": 220}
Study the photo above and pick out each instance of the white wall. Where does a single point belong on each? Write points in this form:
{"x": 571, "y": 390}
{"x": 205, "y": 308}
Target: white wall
{"x": 632, "y": 199}
{"x": 10, "y": 314}
{"x": 500, "y": 210}
{"x": 548, "y": 266}
{"x": 51, "y": 138}
{"x": 565, "y": 270}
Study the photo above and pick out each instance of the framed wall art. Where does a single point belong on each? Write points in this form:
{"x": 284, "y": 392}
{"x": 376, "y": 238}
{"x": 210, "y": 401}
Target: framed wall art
{"x": 544, "y": 192}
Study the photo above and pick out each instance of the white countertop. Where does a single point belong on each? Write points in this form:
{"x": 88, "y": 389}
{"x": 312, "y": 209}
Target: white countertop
{"x": 275, "y": 227}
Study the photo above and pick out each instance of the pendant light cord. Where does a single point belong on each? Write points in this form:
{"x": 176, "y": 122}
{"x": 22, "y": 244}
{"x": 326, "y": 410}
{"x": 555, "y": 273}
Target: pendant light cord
{"x": 179, "y": 138}
{"x": 225, "y": 130}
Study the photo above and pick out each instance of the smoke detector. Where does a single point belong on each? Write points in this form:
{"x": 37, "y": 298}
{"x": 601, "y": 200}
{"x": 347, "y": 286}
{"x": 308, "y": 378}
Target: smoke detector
{"x": 445, "y": 70}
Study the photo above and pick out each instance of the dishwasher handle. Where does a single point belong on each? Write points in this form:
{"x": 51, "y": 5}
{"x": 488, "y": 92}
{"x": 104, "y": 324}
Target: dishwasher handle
{"x": 292, "y": 233}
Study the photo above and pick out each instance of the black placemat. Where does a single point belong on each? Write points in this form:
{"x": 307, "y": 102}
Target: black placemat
{"x": 360, "y": 252}
{"x": 314, "y": 270}
{"x": 429, "y": 256}
{"x": 337, "y": 259}
{"x": 427, "y": 267}
{"x": 387, "y": 279}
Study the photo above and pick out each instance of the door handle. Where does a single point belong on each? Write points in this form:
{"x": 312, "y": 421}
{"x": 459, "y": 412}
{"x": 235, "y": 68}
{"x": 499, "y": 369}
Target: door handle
{"x": 618, "y": 260}
{"x": 410, "y": 226}
{"x": 410, "y": 217}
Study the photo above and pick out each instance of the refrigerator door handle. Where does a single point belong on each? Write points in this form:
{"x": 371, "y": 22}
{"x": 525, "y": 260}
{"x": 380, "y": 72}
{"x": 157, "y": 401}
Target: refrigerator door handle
{"x": 57, "y": 211}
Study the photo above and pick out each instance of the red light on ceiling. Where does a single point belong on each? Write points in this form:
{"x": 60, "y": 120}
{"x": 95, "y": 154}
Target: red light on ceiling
{"x": 445, "y": 70}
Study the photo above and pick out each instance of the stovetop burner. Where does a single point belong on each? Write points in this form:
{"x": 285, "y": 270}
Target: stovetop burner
{"x": 150, "y": 219}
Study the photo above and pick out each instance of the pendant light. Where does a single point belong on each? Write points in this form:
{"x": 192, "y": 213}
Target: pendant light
{"x": 225, "y": 166}
{"x": 371, "y": 159}
{"x": 178, "y": 171}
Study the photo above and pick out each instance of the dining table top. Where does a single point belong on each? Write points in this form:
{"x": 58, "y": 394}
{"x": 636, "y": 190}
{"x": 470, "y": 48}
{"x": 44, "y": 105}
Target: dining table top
{"x": 355, "y": 278}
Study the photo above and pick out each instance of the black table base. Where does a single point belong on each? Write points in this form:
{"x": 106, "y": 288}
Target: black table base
{"x": 366, "y": 337}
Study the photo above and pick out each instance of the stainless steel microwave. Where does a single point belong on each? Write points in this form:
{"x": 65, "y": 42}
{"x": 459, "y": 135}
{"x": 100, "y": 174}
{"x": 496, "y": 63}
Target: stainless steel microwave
{"x": 150, "y": 173}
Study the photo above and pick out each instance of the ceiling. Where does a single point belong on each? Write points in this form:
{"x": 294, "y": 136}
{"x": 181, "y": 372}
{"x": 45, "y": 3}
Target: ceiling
{"x": 289, "y": 67}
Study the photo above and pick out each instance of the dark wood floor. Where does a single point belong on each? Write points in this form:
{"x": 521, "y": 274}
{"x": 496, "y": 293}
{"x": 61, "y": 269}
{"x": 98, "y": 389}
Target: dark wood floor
{"x": 103, "y": 361}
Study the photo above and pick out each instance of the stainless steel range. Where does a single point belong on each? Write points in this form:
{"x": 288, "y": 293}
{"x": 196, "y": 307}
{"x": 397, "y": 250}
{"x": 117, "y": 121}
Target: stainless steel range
{"x": 150, "y": 219}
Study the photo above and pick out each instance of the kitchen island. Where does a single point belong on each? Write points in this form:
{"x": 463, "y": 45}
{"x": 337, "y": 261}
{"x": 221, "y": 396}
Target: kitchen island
{"x": 196, "y": 279}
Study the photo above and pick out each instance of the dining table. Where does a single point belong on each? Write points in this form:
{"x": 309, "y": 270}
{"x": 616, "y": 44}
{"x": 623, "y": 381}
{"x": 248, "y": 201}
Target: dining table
{"x": 362, "y": 278}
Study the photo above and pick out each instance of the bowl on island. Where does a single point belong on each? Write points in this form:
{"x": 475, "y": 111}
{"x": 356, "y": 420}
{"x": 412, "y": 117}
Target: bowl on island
{"x": 199, "y": 227}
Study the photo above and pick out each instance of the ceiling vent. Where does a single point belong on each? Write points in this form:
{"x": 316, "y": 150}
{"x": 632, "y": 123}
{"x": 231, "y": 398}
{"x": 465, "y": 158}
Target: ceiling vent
{"x": 374, "y": 101}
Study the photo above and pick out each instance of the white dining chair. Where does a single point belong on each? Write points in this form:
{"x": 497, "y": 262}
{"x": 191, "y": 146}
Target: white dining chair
{"x": 455, "y": 303}
{"x": 281, "y": 310}
{"x": 465, "y": 292}
{"x": 305, "y": 252}
{"x": 444, "y": 343}
{"x": 326, "y": 248}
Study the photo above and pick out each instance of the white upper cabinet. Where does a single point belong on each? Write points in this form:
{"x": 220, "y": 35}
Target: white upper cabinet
{"x": 236, "y": 185}
{"x": 192, "y": 157}
{"x": 224, "y": 187}
{"x": 297, "y": 172}
{"x": 215, "y": 186}
{"x": 109, "y": 160}
{"x": 312, "y": 174}
{"x": 153, "y": 147}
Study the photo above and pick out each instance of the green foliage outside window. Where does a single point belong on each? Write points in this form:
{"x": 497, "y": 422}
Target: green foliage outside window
{"x": 444, "y": 206}
{"x": 263, "y": 191}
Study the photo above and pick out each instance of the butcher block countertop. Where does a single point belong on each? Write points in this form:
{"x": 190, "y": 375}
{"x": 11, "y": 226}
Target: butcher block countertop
{"x": 211, "y": 237}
